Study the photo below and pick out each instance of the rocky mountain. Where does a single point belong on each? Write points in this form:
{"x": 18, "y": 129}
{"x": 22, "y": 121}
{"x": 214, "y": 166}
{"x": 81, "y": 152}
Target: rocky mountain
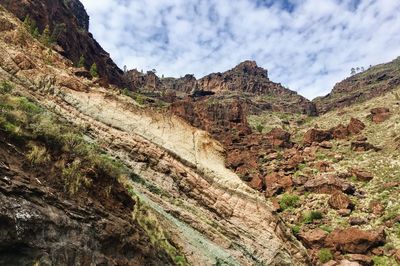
{"x": 230, "y": 169}
{"x": 246, "y": 80}
{"x": 373, "y": 82}
{"x": 69, "y": 23}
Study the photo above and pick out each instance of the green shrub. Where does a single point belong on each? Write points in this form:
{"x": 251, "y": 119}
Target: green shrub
{"x": 296, "y": 229}
{"x": 288, "y": 201}
{"x": 139, "y": 99}
{"x": 81, "y": 62}
{"x": 325, "y": 255}
{"x": 260, "y": 128}
{"x": 6, "y": 87}
{"x": 38, "y": 154}
{"x": 74, "y": 178}
{"x": 93, "y": 70}
{"x": 311, "y": 216}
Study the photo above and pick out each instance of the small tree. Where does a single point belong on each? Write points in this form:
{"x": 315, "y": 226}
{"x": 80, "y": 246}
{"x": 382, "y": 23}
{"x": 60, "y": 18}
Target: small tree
{"x": 45, "y": 37}
{"x": 353, "y": 71}
{"x": 93, "y": 71}
{"x": 81, "y": 62}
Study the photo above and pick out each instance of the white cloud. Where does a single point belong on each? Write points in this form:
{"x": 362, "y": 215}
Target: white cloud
{"x": 308, "y": 49}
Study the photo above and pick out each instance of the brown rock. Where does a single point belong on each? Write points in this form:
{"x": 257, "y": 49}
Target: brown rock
{"x": 340, "y": 132}
{"x": 380, "y": 114}
{"x": 361, "y": 174}
{"x": 82, "y": 72}
{"x": 354, "y": 240}
{"x": 323, "y": 166}
{"x": 355, "y": 126}
{"x": 357, "y": 221}
{"x": 23, "y": 62}
{"x": 316, "y": 135}
{"x": 331, "y": 263}
{"x": 71, "y": 83}
{"x": 376, "y": 207}
{"x": 277, "y": 183}
{"x": 326, "y": 145}
{"x": 348, "y": 263}
{"x": 256, "y": 183}
{"x": 397, "y": 255}
{"x": 364, "y": 260}
{"x": 279, "y": 138}
{"x": 339, "y": 200}
{"x": 313, "y": 238}
{"x": 328, "y": 185}
{"x": 363, "y": 146}
{"x": 344, "y": 212}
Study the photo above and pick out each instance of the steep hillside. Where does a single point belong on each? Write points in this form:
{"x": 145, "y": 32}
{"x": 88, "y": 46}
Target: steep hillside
{"x": 373, "y": 82}
{"x": 68, "y": 24}
{"x": 152, "y": 175}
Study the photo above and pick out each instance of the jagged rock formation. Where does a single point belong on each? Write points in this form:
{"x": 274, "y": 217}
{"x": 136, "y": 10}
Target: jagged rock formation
{"x": 246, "y": 80}
{"x": 73, "y": 24}
{"x": 371, "y": 83}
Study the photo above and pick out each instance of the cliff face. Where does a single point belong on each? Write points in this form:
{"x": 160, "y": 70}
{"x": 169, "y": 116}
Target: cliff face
{"x": 72, "y": 22}
{"x": 361, "y": 87}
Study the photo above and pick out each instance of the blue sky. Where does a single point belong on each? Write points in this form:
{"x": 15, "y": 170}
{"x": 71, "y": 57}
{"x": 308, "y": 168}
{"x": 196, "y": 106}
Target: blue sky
{"x": 307, "y": 45}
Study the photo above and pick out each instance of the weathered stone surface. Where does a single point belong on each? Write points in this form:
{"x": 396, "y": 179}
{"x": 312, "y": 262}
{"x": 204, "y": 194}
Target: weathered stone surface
{"x": 316, "y": 135}
{"x": 354, "y": 240}
{"x": 339, "y": 200}
{"x": 376, "y": 208}
{"x": 23, "y": 62}
{"x": 357, "y": 221}
{"x": 364, "y": 260}
{"x": 313, "y": 238}
{"x": 71, "y": 83}
{"x": 361, "y": 175}
{"x": 328, "y": 185}
{"x": 380, "y": 114}
{"x": 355, "y": 126}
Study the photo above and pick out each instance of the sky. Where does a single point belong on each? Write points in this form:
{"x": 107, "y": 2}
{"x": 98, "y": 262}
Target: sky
{"x": 307, "y": 45}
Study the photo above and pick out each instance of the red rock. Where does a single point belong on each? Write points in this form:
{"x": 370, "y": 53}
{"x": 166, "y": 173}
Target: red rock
{"x": 316, "y": 135}
{"x": 256, "y": 183}
{"x": 279, "y": 138}
{"x": 339, "y": 200}
{"x": 23, "y": 62}
{"x": 276, "y": 184}
{"x": 344, "y": 212}
{"x": 364, "y": 260}
{"x": 313, "y": 238}
{"x": 361, "y": 174}
{"x": 355, "y": 126}
{"x": 380, "y": 114}
{"x": 354, "y": 240}
{"x": 340, "y": 132}
{"x": 323, "y": 166}
{"x": 71, "y": 83}
{"x": 331, "y": 263}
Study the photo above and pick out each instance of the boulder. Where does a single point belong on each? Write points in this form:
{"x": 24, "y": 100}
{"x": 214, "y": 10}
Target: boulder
{"x": 71, "y": 83}
{"x": 355, "y": 126}
{"x": 376, "y": 208}
{"x": 364, "y": 260}
{"x": 340, "y": 132}
{"x": 316, "y": 135}
{"x": 326, "y": 145}
{"x": 363, "y": 146}
{"x": 278, "y": 137}
{"x": 23, "y": 62}
{"x": 357, "y": 221}
{"x": 380, "y": 114}
{"x": 348, "y": 263}
{"x": 276, "y": 183}
{"x": 328, "y": 185}
{"x": 339, "y": 201}
{"x": 313, "y": 238}
{"x": 361, "y": 175}
{"x": 397, "y": 255}
{"x": 354, "y": 240}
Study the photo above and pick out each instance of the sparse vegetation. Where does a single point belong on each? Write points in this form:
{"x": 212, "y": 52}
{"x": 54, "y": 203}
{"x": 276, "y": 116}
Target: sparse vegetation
{"x": 296, "y": 229}
{"x": 309, "y": 217}
{"x": 38, "y": 154}
{"x": 325, "y": 255}
{"x": 288, "y": 201}
{"x": 81, "y": 62}
{"x": 93, "y": 71}
{"x": 260, "y": 128}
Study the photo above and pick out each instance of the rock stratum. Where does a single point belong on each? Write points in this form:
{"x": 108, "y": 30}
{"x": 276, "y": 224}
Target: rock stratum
{"x": 228, "y": 169}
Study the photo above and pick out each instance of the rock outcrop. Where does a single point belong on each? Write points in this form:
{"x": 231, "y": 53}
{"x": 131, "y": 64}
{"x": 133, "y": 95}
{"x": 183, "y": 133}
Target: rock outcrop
{"x": 71, "y": 23}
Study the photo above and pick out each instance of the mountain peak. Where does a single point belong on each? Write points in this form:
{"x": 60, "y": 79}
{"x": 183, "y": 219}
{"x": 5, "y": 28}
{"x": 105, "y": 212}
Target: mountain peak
{"x": 250, "y": 67}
